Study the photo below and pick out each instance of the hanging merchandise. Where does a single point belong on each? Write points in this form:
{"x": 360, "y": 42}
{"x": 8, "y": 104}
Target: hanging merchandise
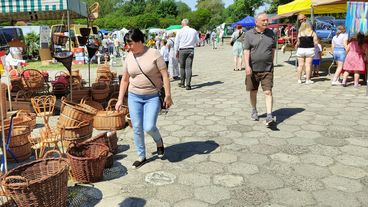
{"x": 356, "y": 17}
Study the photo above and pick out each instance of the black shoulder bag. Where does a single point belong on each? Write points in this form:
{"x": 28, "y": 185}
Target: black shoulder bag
{"x": 233, "y": 41}
{"x": 161, "y": 92}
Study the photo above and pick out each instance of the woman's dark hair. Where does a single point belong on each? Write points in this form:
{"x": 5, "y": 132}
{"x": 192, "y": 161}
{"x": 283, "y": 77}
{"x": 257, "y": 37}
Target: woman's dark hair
{"x": 360, "y": 39}
{"x": 135, "y": 35}
{"x": 239, "y": 26}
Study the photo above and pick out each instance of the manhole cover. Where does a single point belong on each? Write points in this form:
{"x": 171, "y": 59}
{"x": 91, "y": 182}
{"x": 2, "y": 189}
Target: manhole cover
{"x": 160, "y": 178}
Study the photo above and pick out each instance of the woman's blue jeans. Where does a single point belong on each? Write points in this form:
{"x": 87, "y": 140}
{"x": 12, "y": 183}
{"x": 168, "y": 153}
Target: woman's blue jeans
{"x": 143, "y": 110}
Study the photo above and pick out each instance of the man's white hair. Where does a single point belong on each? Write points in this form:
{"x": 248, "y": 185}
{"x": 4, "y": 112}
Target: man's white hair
{"x": 185, "y": 21}
{"x": 260, "y": 14}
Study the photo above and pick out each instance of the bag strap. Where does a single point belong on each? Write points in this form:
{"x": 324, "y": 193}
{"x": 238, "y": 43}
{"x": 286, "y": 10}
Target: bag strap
{"x": 139, "y": 66}
{"x": 240, "y": 34}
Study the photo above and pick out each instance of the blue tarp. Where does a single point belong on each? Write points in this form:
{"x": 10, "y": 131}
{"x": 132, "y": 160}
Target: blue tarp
{"x": 246, "y": 22}
{"x": 103, "y": 31}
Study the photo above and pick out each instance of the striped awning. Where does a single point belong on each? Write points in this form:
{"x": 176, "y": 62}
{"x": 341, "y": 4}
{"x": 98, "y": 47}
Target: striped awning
{"x": 16, "y": 10}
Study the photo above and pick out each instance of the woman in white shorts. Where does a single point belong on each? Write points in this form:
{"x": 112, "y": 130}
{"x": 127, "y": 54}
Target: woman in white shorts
{"x": 307, "y": 38}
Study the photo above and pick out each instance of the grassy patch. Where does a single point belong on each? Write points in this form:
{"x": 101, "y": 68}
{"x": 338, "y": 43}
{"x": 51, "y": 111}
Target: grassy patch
{"x": 55, "y": 66}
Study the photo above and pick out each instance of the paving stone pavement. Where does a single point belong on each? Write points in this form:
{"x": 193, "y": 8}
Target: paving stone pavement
{"x": 216, "y": 156}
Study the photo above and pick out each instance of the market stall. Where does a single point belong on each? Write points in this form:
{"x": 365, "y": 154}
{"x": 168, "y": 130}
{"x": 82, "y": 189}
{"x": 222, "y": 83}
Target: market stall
{"x": 356, "y": 21}
{"x": 311, "y": 7}
{"x": 28, "y": 10}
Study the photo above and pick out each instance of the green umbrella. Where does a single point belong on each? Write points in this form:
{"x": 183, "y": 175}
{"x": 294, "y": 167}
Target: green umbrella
{"x": 174, "y": 27}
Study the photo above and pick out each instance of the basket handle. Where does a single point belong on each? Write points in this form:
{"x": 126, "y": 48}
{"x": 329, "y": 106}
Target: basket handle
{"x": 50, "y": 152}
{"x": 109, "y": 107}
{"x": 104, "y": 153}
{"x": 23, "y": 182}
{"x": 19, "y": 93}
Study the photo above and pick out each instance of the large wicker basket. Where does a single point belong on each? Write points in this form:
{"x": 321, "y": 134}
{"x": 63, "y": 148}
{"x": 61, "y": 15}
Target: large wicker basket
{"x": 87, "y": 161}
{"x": 73, "y": 114}
{"x": 39, "y": 183}
{"x": 107, "y": 120}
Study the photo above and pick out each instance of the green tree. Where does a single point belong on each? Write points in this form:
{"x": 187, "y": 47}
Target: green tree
{"x": 167, "y": 8}
{"x": 242, "y": 8}
{"x": 183, "y": 8}
{"x": 215, "y": 6}
{"x": 275, "y": 4}
{"x": 199, "y": 19}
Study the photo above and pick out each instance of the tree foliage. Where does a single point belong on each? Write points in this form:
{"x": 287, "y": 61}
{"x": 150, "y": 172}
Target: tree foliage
{"x": 242, "y": 8}
{"x": 116, "y": 14}
{"x": 275, "y": 4}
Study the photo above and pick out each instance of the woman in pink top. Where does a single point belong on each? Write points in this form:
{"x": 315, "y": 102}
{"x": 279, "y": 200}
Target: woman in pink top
{"x": 145, "y": 72}
{"x": 355, "y": 59}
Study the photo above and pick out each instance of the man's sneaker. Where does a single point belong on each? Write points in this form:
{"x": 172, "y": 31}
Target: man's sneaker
{"x": 299, "y": 81}
{"x": 309, "y": 82}
{"x": 254, "y": 116}
{"x": 270, "y": 121}
{"x": 335, "y": 83}
{"x": 188, "y": 88}
{"x": 137, "y": 164}
{"x": 181, "y": 85}
{"x": 160, "y": 151}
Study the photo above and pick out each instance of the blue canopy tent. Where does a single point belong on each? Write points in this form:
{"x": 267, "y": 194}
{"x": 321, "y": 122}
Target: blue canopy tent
{"x": 246, "y": 22}
{"x": 103, "y": 31}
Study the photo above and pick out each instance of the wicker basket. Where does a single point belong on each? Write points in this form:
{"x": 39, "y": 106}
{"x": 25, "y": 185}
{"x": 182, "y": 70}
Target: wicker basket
{"x": 21, "y": 153}
{"x": 72, "y": 114}
{"x": 28, "y": 118}
{"x": 19, "y": 136}
{"x": 87, "y": 101}
{"x": 39, "y": 183}
{"x": 24, "y": 104}
{"x": 100, "y": 91}
{"x": 79, "y": 94}
{"x": 87, "y": 161}
{"x": 107, "y": 120}
{"x": 78, "y": 133}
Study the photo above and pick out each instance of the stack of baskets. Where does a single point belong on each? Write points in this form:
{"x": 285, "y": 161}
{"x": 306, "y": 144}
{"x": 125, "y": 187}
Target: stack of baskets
{"x": 110, "y": 119}
{"x": 39, "y": 183}
{"x": 87, "y": 161}
{"x": 104, "y": 74}
{"x": 76, "y": 119}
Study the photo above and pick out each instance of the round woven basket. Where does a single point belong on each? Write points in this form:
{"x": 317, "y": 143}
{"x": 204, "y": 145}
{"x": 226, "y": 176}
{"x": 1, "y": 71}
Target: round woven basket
{"x": 81, "y": 132}
{"x": 39, "y": 183}
{"x": 87, "y": 161}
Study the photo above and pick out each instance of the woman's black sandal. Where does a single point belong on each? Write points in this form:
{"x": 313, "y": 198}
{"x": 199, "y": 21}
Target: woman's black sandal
{"x": 137, "y": 164}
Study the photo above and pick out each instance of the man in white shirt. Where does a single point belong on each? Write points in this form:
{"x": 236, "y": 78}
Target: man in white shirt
{"x": 185, "y": 42}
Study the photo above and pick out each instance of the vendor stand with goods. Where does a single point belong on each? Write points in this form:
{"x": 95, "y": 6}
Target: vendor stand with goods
{"x": 43, "y": 182}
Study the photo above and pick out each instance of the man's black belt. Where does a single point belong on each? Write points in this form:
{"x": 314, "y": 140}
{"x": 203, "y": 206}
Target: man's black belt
{"x": 189, "y": 48}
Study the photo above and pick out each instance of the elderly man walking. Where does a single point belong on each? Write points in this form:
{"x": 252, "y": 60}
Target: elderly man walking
{"x": 185, "y": 41}
{"x": 259, "y": 49}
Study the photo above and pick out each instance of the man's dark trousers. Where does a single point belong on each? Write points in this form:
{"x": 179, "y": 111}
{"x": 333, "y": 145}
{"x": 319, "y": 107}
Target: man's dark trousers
{"x": 186, "y": 61}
